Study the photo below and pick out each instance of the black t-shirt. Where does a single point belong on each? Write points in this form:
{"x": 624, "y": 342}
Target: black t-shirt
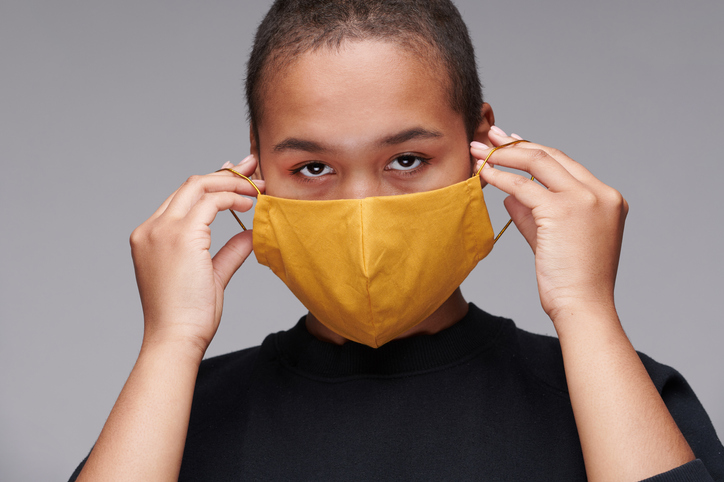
{"x": 481, "y": 400}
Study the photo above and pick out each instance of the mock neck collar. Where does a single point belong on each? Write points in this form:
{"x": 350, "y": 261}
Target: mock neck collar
{"x": 301, "y": 351}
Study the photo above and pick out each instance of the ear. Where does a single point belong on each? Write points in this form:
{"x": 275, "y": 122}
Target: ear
{"x": 488, "y": 120}
{"x": 254, "y": 150}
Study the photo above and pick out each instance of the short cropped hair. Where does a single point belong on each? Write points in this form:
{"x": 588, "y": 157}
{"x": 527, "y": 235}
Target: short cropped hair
{"x": 431, "y": 29}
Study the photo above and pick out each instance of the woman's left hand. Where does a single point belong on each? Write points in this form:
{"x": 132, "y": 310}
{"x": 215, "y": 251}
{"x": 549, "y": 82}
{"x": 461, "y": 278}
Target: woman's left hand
{"x": 572, "y": 221}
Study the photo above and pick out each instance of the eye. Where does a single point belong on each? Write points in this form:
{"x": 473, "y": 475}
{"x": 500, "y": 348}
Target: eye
{"x": 406, "y": 162}
{"x": 313, "y": 169}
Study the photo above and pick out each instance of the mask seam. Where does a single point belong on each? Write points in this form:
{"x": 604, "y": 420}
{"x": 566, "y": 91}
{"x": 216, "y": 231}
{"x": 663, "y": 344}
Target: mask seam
{"x": 366, "y": 269}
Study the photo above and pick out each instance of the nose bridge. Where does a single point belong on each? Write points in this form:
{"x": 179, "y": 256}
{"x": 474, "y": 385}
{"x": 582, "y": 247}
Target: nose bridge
{"x": 360, "y": 184}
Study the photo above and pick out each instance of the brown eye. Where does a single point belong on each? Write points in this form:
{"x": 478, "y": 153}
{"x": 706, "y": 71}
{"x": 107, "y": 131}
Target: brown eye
{"x": 406, "y": 163}
{"x": 314, "y": 169}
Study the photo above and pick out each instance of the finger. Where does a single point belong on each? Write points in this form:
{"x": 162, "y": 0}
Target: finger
{"x": 168, "y": 200}
{"x": 163, "y": 206}
{"x": 259, "y": 183}
{"x": 498, "y": 137}
{"x": 246, "y": 167}
{"x": 231, "y": 256}
{"x": 197, "y": 186}
{"x": 210, "y": 204}
{"x": 523, "y": 219}
{"x": 529, "y": 193}
{"x": 544, "y": 167}
{"x": 575, "y": 168}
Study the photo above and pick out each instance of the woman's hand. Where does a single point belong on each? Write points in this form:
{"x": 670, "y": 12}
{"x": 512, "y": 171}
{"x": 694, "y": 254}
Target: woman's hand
{"x": 182, "y": 293}
{"x": 572, "y": 221}
{"x": 574, "y": 224}
{"x": 181, "y": 285}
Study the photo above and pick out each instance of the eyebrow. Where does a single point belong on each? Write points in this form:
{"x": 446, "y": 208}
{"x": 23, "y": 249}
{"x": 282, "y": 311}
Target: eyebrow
{"x": 410, "y": 134}
{"x": 295, "y": 144}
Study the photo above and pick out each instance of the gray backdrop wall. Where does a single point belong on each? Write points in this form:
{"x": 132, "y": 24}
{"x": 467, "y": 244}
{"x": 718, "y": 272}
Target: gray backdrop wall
{"x": 107, "y": 106}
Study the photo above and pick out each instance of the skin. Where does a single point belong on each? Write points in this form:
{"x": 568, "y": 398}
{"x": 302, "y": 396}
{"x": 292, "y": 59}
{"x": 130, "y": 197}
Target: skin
{"x": 330, "y": 112}
{"x": 339, "y": 126}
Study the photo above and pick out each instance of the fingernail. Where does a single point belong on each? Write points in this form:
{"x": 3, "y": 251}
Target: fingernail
{"x": 516, "y": 136}
{"x": 478, "y": 145}
{"x": 227, "y": 165}
{"x": 247, "y": 159}
{"x": 497, "y": 130}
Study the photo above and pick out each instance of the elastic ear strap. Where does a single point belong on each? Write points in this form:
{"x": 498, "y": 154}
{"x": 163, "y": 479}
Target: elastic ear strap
{"x": 241, "y": 176}
{"x": 495, "y": 149}
{"x": 532, "y": 178}
{"x": 252, "y": 185}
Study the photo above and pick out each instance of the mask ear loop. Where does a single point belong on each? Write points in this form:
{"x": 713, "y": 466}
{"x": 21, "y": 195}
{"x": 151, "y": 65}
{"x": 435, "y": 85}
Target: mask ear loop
{"x": 532, "y": 178}
{"x": 252, "y": 185}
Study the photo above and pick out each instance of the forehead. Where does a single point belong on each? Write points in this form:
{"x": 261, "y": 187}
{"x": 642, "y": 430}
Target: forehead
{"x": 362, "y": 87}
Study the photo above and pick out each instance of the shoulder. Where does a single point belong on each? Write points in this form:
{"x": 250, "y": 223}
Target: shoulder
{"x": 219, "y": 368}
{"x": 224, "y": 380}
{"x": 236, "y": 369}
{"x": 222, "y": 377}
{"x": 542, "y": 357}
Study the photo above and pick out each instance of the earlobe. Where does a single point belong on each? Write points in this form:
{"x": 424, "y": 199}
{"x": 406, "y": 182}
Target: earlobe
{"x": 488, "y": 120}
{"x": 254, "y": 150}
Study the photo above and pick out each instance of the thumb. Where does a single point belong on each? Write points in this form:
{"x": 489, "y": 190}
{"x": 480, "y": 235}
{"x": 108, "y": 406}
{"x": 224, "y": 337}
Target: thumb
{"x": 523, "y": 219}
{"x": 232, "y": 255}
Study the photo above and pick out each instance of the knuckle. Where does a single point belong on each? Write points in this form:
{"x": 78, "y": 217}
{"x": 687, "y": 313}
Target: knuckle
{"x": 557, "y": 152}
{"x": 142, "y": 236}
{"x": 520, "y": 181}
{"x": 615, "y": 199}
{"x": 193, "y": 180}
{"x": 588, "y": 199}
{"x": 538, "y": 155}
{"x": 207, "y": 197}
{"x": 489, "y": 175}
{"x": 166, "y": 235}
{"x": 155, "y": 234}
{"x": 137, "y": 236}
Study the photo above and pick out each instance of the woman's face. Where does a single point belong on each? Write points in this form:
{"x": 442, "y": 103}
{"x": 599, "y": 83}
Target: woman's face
{"x": 368, "y": 120}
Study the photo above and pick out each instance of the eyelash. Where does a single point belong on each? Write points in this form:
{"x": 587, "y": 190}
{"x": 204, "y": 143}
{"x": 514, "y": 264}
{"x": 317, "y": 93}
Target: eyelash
{"x": 297, "y": 171}
{"x": 424, "y": 161}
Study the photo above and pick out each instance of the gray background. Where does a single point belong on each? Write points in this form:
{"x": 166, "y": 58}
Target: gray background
{"x": 107, "y": 106}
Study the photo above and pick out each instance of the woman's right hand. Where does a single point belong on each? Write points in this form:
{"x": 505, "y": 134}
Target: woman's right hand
{"x": 181, "y": 285}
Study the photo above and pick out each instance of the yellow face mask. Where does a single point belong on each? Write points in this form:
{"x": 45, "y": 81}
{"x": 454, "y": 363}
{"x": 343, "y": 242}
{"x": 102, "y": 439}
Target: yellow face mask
{"x": 370, "y": 269}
